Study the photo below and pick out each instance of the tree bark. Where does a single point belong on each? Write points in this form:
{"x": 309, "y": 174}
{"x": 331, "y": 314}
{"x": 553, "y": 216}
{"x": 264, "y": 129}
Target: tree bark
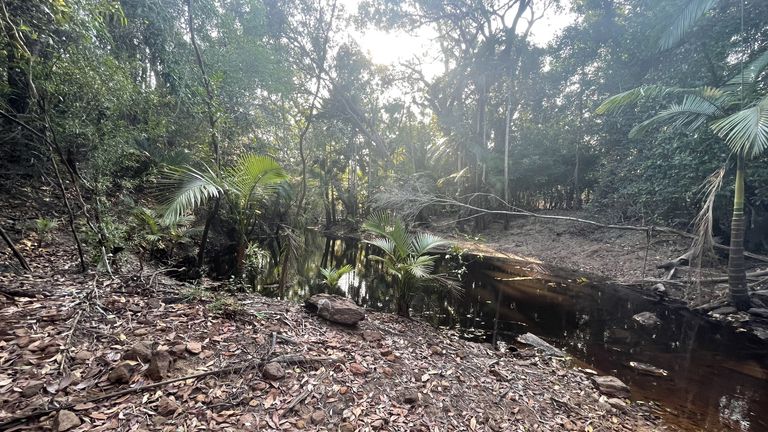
{"x": 737, "y": 275}
{"x": 206, "y": 230}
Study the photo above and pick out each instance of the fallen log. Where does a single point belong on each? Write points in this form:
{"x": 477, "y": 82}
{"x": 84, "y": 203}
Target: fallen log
{"x": 16, "y": 253}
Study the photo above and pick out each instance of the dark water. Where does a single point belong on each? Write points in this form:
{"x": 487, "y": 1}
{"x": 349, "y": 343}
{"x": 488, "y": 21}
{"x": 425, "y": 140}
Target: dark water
{"x": 717, "y": 377}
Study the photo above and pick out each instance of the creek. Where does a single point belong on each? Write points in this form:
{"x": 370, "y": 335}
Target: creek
{"x": 716, "y": 377}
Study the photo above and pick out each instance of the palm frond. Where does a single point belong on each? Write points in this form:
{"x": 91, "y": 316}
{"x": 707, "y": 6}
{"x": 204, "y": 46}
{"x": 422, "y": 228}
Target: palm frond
{"x": 750, "y": 74}
{"x": 255, "y": 174}
{"x": 745, "y": 131}
{"x": 190, "y": 189}
{"x": 426, "y": 242}
{"x": 618, "y": 102}
{"x": 684, "y": 21}
{"x": 379, "y": 223}
{"x": 421, "y": 266}
{"x": 384, "y": 244}
{"x": 690, "y": 114}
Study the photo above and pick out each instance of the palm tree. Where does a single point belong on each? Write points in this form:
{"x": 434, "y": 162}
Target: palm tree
{"x": 243, "y": 188}
{"x": 407, "y": 258}
{"x": 736, "y": 112}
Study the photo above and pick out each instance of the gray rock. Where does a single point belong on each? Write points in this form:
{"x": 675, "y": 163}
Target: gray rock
{"x": 65, "y": 420}
{"x": 760, "y": 312}
{"x": 617, "y": 404}
{"x": 647, "y": 319}
{"x": 611, "y": 386}
{"x": 273, "y": 371}
{"x": 647, "y": 369}
{"x": 140, "y": 351}
{"x": 335, "y": 309}
{"x": 32, "y": 389}
{"x": 539, "y": 343}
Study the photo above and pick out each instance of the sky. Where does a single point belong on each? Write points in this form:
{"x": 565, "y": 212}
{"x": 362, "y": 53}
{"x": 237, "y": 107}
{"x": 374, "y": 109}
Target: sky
{"x": 390, "y": 48}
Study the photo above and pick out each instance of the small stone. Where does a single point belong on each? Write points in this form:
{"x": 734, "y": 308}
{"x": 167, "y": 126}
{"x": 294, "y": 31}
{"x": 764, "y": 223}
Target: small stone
{"x": 647, "y": 319}
{"x": 343, "y": 390}
{"x": 371, "y": 336}
{"x": 140, "y": 351}
{"x": 83, "y": 355}
{"x": 141, "y": 332}
{"x": 167, "y": 407}
{"x": 159, "y": 365}
{"x": 273, "y": 371}
{"x": 23, "y": 341}
{"x": 32, "y": 389}
{"x": 461, "y": 354}
{"x": 179, "y": 350}
{"x": 357, "y": 369}
{"x": 194, "y": 347}
{"x": 434, "y": 350}
{"x": 301, "y": 424}
{"x": 65, "y": 420}
{"x": 617, "y": 404}
{"x": 611, "y": 386}
{"x": 411, "y": 398}
{"x": 347, "y": 427}
{"x": 725, "y": 310}
{"x": 317, "y": 417}
{"x": 121, "y": 374}
{"x": 387, "y": 371}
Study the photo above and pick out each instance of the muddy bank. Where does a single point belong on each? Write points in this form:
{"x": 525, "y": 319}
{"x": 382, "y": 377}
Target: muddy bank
{"x": 615, "y": 254}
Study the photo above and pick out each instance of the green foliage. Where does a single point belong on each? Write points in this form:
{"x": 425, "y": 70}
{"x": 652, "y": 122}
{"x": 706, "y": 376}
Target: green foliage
{"x": 408, "y": 257}
{"x": 44, "y": 228}
{"x": 332, "y": 275}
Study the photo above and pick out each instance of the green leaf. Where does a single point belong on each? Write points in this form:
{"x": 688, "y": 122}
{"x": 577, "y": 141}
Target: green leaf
{"x": 745, "y": 131}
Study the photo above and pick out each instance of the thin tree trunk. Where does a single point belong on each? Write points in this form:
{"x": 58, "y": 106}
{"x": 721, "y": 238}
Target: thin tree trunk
{"x": 212, "y": 120}
{"x": 206, "y": 230}
{"x": 70, "y": 213}
{"x": 15, "y": 251}
{"x": 737, "y": 275}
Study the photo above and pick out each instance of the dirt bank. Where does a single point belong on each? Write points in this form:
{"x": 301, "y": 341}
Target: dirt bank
{"x": 616, "y": 254}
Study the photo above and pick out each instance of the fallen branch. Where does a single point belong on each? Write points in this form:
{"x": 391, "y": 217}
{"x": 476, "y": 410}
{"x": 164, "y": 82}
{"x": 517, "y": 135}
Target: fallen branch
{"x": 15, "y": 251}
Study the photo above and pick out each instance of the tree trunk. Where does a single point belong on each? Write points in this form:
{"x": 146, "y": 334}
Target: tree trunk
{"x": 15, "y": 251}
{"x": 206, "y": 230}
{"x": 737, "y": 275}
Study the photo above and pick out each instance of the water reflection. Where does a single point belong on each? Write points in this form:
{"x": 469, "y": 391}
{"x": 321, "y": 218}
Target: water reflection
{"x": 716, "y": 377}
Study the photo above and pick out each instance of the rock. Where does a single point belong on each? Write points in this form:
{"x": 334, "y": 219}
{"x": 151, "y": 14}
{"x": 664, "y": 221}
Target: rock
{"x": 179, "y": 350}
{"x": 611, "y": 386}
{"x": 647, "y": 369}
{"x": 411, "y": 398}
{"x": 347, "y": 427}
{"x": 32, "y": 389}
{"x": 83, "y": 356}
{"x": 159, "y": 365}
{"x": 386, "y": 352}
{"x": 141, "y": 332}
{"x": 539, "y": 343}
{"x": 317, "y": 417}
{"x": 759, "y": 312}
{"x": 461, "y": 353}
{"x": 335, "y": 309}
{"x": 434, "y": 350}
{"x": 195, "y": 347}
{"x": 273, "y": 371}
{"x": 167, "y": 407}
{"x": 65, "y": 420}
{"x": 140, "y": 351}
{"x": 617, "y": 403}
{"x": 357, "y": 369}
{"x": 121, "y": 374}
{"x": 371, "y": 336}
{"x": 659, "y": 288}
{"x": 387, "y": 371}
{"x": 647, "y": 319}
{"x": 725, "y": 310}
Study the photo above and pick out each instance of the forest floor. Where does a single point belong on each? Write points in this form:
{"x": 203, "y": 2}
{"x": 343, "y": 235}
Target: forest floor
{"x": 141, "y": 351}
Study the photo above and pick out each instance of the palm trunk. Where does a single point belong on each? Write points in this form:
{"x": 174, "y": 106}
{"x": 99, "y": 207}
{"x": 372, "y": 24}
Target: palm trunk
{"x": 737, "y": 276}
{"x": 206, "y": 230}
